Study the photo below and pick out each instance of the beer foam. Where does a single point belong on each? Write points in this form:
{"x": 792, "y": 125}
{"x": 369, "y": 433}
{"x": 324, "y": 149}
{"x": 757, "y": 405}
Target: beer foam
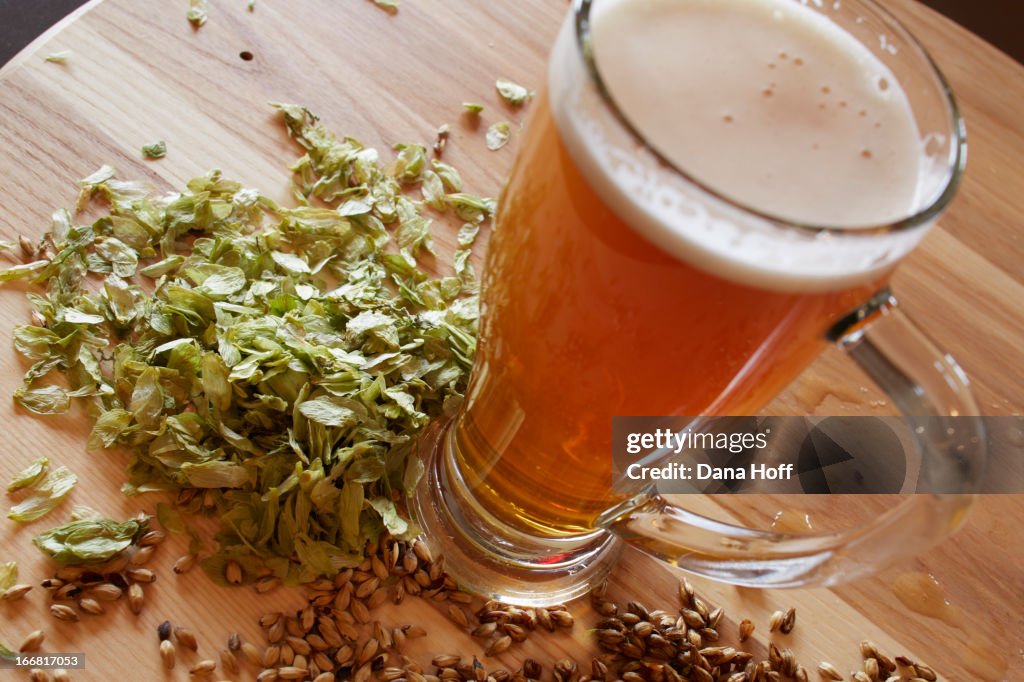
{"x": 824, "y": 184}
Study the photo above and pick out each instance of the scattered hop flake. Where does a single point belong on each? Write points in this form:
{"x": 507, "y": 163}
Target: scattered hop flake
{"x": 467, "y": 235}
{"x": 498, "y": 135}
{"x": 60, "y": 57}
{"x": 26, "y": 271}
{"x": 89, "y": 541}
{"x": 450, "y": 177}
{"x": 157, "y": 150}
{"x": 513, "y": 93}
{"x": 8, "y": 575}
{"x": 460, "y": 260}
{"x": 47, "y": 495}
{"x": 251, "y": 5}
{"x": 197, "y": 13}
{"x": 169, "y": 518}
{"x": 43, "y": 400}
{"x": 433, "y": 190}
{"x": 472, "y": 208}
{"x": 81, "y": 511}
{"x": 412, "y": 159}
{"x": 29, "y": 476}
{"x": 472, "y": 108}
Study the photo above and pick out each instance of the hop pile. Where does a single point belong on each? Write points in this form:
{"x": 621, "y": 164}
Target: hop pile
{"x": 270, "y": 365}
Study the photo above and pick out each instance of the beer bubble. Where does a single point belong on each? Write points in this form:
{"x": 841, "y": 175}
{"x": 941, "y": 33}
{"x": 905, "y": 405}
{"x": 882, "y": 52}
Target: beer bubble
{"x": 825, "y": 89}
{"x": 798, "y": 62}
{"x": 783, "y": 55}
{"x": 727, "y": 118}
{"x": 934, "y": 144}
{"x": 767, "y": 92}
{"x": 866, "y": 153}
{"x": 883, "y": 84}
{"x": 862, "y": 113}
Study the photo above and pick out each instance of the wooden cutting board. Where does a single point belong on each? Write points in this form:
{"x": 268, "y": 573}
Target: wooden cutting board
{"x": 139, "y": 72}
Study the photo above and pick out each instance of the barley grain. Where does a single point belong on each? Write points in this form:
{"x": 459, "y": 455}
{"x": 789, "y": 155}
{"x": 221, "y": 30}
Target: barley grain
{"x": 167, "y": 653}
{"x": 16, "y": 592}
{"x": 203, "y": 667}
{"x": 32, "y": 641}
{"x": 184, "y": 563}
{"x": 92, "y": 606}
{"x": 64, "y": 612}
{"x": 827, "y": 671}
{"x": 135, "y": 598}
{"x": 186, "y": 638}
{"x": 142, "y": 556}
{"x": 746, "y": 629}
{"x": 106, "y": 592}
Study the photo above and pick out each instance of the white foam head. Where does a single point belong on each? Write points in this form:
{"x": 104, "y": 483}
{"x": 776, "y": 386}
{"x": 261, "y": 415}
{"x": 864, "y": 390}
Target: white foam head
{"x": 698, "y": 226}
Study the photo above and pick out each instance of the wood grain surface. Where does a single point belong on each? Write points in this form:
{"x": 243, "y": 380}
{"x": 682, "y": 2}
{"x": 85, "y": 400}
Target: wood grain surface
{"x": 139, "y": 72}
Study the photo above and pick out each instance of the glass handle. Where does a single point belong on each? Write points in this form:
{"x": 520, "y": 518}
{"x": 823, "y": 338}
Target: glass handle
{"x": 933, "y": 394}
{"x": 928, "y": 387}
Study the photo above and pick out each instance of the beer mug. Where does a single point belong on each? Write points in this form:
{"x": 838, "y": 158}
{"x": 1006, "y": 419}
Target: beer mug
{"x": 653, "y": 256}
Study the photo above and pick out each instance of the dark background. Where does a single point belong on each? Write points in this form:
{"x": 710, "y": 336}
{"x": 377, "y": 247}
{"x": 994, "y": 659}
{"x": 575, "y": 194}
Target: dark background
{"x": 1001, "y": 22}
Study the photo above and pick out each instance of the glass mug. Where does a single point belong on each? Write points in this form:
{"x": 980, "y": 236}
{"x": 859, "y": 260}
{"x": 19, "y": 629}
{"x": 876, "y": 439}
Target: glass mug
{"x": 618, "y": 284}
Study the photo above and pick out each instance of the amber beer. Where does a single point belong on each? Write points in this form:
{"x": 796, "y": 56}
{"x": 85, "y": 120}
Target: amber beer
{"x": 587, "y": 316}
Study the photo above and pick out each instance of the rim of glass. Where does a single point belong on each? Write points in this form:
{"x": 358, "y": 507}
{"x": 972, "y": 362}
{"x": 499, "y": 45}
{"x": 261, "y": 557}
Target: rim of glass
{"x": 956, "y": 159}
